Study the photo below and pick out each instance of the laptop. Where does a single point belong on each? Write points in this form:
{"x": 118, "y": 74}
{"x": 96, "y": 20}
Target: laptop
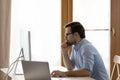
{"x": 36, "y": 70}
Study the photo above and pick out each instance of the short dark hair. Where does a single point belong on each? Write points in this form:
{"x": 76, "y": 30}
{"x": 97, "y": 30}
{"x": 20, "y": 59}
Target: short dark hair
{"x": 76, "y": 27}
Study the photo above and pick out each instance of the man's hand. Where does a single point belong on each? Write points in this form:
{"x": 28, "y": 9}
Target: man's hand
{"x": 64, "y": 48}
{"x": 58, "y": 73}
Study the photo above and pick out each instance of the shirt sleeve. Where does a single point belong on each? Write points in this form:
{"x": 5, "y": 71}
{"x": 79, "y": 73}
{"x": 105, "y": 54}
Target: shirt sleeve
{"x": 88, "y": 57}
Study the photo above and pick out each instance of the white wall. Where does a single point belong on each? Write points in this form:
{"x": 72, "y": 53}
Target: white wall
{"x": 43, "y": 19}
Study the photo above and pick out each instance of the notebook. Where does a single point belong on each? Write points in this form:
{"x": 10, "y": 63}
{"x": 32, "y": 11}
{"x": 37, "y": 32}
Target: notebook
{"x": 35, "y": 70}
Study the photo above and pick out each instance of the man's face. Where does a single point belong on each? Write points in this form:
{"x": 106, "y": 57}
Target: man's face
{"x": 69, "y": 36}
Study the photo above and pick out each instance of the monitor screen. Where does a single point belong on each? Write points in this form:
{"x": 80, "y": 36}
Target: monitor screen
{"x": 25, "y": 51}
{"x": 25, "y": 44}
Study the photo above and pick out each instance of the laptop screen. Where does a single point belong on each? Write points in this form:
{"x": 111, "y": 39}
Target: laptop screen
{"x": 35, "y": 70}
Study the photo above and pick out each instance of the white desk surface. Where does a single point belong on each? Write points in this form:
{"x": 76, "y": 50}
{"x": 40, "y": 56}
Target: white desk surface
{"x": 21, "y": 77}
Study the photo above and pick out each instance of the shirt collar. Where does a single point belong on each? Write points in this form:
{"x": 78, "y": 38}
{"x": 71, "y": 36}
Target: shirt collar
{"x": 76, "y": 47}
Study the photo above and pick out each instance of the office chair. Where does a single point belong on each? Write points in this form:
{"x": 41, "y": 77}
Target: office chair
{"x": 116, "y": 61}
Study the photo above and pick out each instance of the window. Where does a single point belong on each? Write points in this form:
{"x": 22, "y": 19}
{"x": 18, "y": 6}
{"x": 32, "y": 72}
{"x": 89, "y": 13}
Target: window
{"x": 95, "y": 17}
{"x": 43, "y": 19}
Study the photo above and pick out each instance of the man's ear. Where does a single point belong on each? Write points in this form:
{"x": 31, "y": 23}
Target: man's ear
{"x": 76, "y": 34}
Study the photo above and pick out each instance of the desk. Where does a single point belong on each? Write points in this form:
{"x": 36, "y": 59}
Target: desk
{"x": 21, "y": 77}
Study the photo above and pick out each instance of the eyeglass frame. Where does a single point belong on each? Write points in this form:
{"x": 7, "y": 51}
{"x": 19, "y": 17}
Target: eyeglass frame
{"x": 67, "y": 34}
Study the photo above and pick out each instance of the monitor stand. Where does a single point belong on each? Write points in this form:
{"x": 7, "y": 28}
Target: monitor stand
{"x": 19, "y": 71}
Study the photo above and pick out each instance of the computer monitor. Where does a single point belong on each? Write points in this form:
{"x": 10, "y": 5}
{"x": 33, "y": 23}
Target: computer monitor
{"x": 25, "y": 51}
{"x": 25, "y": 44}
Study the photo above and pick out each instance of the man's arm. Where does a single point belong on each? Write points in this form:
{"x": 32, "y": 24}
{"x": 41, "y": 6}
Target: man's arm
{"x": 66, "y": 59}
{"x": 78, "y": 73}
{"x": 71, "y": 73}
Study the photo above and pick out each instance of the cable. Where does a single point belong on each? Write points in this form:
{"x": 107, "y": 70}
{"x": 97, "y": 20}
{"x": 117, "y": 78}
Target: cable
{"x": 14, "y": 64}
{"x": 22, "y": 56}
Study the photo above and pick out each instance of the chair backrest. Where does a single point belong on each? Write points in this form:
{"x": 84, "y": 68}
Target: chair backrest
{"x": 116, "y": 59}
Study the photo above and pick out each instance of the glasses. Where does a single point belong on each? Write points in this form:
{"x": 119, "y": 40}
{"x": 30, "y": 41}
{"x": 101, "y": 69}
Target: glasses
{"x": 67, "y": 34}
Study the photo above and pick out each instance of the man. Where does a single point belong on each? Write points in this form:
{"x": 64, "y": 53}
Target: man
{"x": 84, "y": 60}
